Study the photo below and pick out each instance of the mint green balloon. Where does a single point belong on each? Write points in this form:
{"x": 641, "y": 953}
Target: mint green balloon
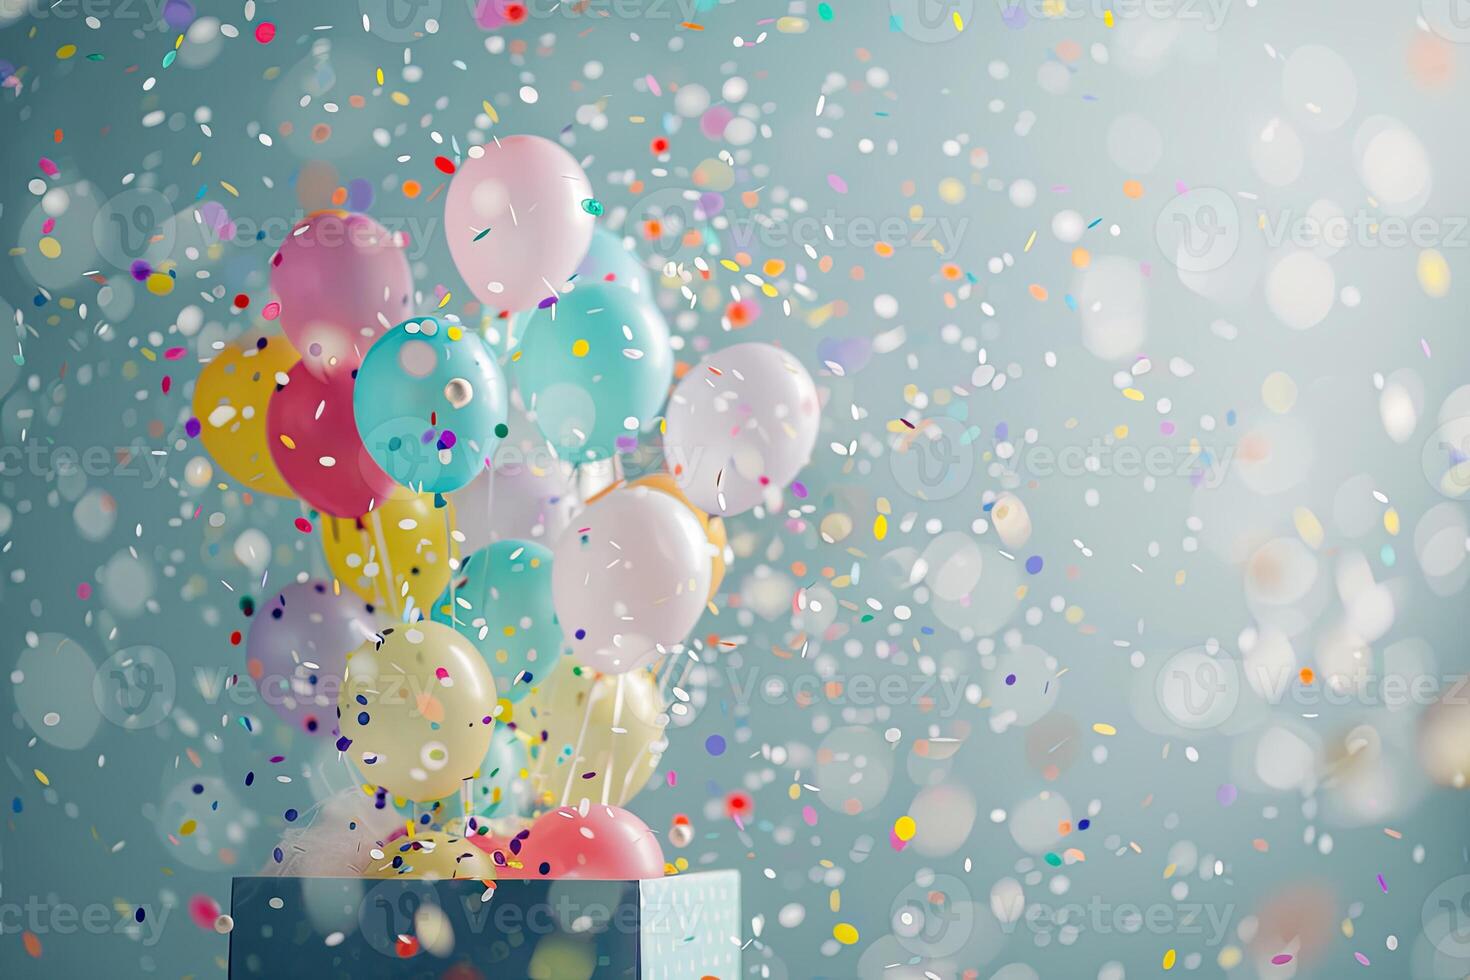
{"x": 502, "y": 604}
{"x": 595, "y": 368}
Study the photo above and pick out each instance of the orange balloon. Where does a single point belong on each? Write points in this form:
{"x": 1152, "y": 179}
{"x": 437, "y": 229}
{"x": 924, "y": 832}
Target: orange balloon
{"x": 230, "y": 401}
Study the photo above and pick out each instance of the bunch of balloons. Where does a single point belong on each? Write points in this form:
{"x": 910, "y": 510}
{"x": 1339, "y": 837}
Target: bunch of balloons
{"x": 488, "y": 644}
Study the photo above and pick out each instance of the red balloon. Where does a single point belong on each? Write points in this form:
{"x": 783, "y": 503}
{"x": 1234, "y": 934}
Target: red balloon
{"x": 314, "y": 443}
{"x": 592, "y": 841}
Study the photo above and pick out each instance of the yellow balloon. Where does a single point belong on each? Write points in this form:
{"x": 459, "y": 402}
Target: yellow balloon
{"x": 417, "y": 710}
{"x": 415, "y": 549}
{"x": 430, "y": 854}
{"x": 714, "y": 527}
{"x": 614, "y": 738}
{"x": 230, "y": 400}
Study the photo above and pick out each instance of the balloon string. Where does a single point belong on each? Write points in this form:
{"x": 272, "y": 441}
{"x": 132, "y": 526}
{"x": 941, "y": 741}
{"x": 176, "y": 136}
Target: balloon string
{"x": 453, "y": 570}
{"x": 577, "y": 749}
{"x": 394, "y": 600}
{"x": 617, "y": 720}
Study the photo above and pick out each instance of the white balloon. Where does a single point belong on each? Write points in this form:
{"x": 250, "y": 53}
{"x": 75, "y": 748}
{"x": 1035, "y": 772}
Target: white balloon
{"x": 631, "y": 573}
{"x": 743, "y": 421}
{"x": 523, "y": 501}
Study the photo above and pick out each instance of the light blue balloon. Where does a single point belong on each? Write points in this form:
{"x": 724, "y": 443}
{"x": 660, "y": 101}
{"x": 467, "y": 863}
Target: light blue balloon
{"x": 430, "y": 404}
{"x": 610, "y": 261}
{"x": 595, "y": 367}
{"x": 500, "y": 791}
{"x": 502, "y": 604}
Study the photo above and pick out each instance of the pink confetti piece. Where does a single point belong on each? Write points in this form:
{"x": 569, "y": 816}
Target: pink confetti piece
{"x": 1281, "y": 959}
{"x": 48, "y": 167}
{"x": 837, "y": 183}
{"x": 1383, "y": 884}
{"x": 653, "y": 85}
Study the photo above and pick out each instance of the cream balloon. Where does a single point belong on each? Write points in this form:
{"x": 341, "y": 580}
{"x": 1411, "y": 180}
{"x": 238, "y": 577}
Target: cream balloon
{"x": 417, "y": 710}
{"x": 608, "y": 728}
{"x": 633, "y": 572}
{"x": 432, "y": 855}
{"x": 742, "y": 422}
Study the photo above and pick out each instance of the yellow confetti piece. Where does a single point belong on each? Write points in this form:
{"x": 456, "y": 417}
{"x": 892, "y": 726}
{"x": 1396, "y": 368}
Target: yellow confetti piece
{"x": 1103, "y": 728}
{"x": 904, "y": 827}
{"x": 380, "y": 76}
{"x": 1029, "y": 242}
{"x": 66, "y": 51}
{"x": 490, "y": 111}
{"x": 1434, "y": 273}
{"x": 1308, "y": 528}
{"x": 229, "y": 188}
{"x": 49, "y": 247}
{"x": 1133, "y": 394}
{"x": 445, "y": 302}
{"x": 1391, "y": 521}
{"x": 845, "y": 933}
{"x": 959, "y": 23}
{"x": 1169, "y": 958}
{"x": 188, "y": 827}
{"x": 399, "y": 98}
{"x": 1229, "y": 957}
{"x": 880, "y": 527}
{"x": 41, "y": 777}
{"x": 580, "y": 348}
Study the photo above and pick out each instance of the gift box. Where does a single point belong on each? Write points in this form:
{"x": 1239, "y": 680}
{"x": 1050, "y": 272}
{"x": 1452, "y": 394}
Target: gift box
{"x": 680, "y": 926}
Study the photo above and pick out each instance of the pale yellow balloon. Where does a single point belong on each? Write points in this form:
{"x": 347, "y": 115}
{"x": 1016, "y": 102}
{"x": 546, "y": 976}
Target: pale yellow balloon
{"x": 415, "y": 541}
{"x": 592, "y": 727}
{"x": 419, "y": 709}
{"x": 431, "y": 855}
{"x": 230, "y": 399}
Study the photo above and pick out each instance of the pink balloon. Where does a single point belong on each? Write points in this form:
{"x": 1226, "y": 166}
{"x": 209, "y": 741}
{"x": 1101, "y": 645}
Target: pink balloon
{"x": 341, "y": 279}
{"x": 591, "y": 841}
{"x": 325, "y": 462}
{"x": 515, "y": 220}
